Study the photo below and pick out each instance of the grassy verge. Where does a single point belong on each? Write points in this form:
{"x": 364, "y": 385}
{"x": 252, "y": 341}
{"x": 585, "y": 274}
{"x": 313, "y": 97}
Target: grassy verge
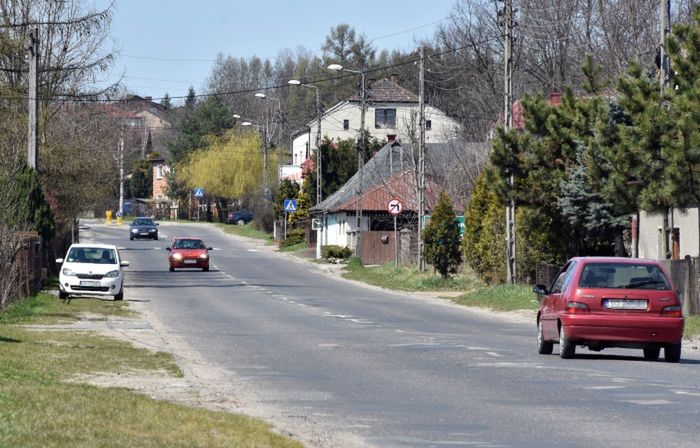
{"x": 692, "y": 326}
{"x": 501, "y": 298}
{"x": 247, "y": 230}
{"x": 40, "y": 408}
{"x": 409, "y": 279}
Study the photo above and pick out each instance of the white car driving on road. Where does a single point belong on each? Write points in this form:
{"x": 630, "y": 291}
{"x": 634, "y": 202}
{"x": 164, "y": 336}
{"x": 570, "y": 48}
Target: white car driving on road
{"x": 92, "y": 269}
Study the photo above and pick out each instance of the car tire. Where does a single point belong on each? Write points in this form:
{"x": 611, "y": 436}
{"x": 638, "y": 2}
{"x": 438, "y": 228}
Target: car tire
{"x": 156, "y": 238}
{"x": 172, "y": 269}
{"x": 131, "y": 238}
{"x": 120, "y": 295}
{"x": 672, "y": 353}
{"x": 206, "y": 269}
{"x": 543, "y": 347}
{"x": 241, "y": 222}
{"x": 567, "y": 349}
{"x": 62, "y": 295}
{"x": 652, "y": 353}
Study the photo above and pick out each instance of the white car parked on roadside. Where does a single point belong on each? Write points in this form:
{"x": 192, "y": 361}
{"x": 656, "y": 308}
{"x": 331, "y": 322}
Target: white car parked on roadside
{"x": 92, "y": 269}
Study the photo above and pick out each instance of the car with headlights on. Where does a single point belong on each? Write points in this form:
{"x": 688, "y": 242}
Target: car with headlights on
{"x": 143, "y": 227}
{"x": 90, "y": 270}
{"x": 188, "y": 252}
{"x": 603, "y": 302}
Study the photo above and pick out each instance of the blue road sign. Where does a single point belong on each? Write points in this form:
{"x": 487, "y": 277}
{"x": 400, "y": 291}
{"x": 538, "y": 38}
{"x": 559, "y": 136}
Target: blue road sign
{"x": 290, "y": 205}
{"x": 199, "y": 192}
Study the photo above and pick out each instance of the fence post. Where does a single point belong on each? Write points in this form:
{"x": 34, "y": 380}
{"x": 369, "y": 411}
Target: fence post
{"x": 688, "y": 286}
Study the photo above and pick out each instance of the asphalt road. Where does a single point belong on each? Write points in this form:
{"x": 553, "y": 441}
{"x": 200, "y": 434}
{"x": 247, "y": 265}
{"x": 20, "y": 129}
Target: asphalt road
{"x": 397, "y": 370}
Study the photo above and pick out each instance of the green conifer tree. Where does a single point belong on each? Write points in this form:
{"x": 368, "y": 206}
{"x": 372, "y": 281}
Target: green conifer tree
{"x": 442, "y": 239}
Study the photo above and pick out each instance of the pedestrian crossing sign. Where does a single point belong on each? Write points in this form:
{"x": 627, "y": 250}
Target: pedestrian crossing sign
{"x": 290, "y": 205}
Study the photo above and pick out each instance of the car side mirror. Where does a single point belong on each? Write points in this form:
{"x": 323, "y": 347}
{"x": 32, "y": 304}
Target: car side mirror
{"x": 131, "y": 224}
{"x": 210, "y": 248}
{"x": 59, "y": 260}
{"x": 168, "y": 249}
{"x": 157, "y": 224}
{"x": 540, "y": 290}
{"x": 124, "y": 264}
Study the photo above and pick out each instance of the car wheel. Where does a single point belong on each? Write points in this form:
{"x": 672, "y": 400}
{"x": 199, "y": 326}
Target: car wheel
{"x": 172, "y": 269}
{"x": 652, "y": 353}
{"x": 206, "y": 269}
{"x": 156, "y": 238}
{"x": 241, "y": 222}
{"x": 62, "y": 295}
{"x": 567, "y": 349}
{"x": 543, "y": 347}
{"x": 131, "y": 238}
{"x": 672, "y": 353}
{"x": 120, "y": 295}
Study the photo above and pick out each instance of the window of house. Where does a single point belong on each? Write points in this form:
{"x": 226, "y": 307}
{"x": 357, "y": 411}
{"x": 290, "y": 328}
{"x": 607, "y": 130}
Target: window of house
{"x": 428, "y": 125}
{"x": 159, "y": 171}
{"x": 346, "y": 125}
{"x": 384, "y": 118}
{"x": 307, "y": 150}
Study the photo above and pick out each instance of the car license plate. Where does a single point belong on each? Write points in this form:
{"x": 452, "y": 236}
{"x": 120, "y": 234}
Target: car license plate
{"x": 144, "y": 233}
{"x": 625, "y": 304}
{"x": 190, "y": 261}
{"x": 89, "y": 284}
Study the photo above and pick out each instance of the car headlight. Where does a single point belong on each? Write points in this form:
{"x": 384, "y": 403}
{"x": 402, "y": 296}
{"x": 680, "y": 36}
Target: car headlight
{"x": 67, "y": 272}
{"x": 134, "y": 230}
{"x": 177, "y": 256}
{"x": 203, "y": 257}
{"x": 112, "y": 274}
{"x": 152, "y": 230}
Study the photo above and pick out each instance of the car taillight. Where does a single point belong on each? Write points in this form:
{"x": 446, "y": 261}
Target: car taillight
{"x": 577, "y": 308}
{"x": 672, "y": 311}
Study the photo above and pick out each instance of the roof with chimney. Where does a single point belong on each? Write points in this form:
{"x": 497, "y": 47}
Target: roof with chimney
{"x": 386, "y": 91}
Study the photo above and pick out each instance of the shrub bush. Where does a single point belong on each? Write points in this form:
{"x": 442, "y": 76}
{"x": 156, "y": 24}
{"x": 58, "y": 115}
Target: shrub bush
{"x": 294, "y": 236}
{"x": 335, "y": 251}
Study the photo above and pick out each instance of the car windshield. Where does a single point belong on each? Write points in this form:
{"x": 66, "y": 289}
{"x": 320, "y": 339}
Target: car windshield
{"x": 93, "y": 255}
{"x": 143, "y": 222}
{"x": 189, "y": 244}
{"x": 623, "y": 276}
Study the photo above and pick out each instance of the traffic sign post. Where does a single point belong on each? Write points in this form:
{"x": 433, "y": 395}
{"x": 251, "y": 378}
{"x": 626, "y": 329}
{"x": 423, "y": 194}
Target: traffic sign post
{"x": 394, "y": 207}
{"x": 290, "y": 206}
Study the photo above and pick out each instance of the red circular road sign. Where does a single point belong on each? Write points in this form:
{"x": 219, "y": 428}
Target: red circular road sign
{"x": 394, "y": 207}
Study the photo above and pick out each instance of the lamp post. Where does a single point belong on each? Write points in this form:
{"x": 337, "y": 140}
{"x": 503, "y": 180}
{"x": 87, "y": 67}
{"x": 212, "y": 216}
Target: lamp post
{"x": 295, "y": 82}
{"x": 263, "y": 130}
{"x": 361, "y": 153}
{"x": 266, "y": 136}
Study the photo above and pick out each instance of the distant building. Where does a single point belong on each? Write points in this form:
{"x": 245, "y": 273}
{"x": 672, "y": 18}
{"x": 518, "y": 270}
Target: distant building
{"x": 391, "y": 114}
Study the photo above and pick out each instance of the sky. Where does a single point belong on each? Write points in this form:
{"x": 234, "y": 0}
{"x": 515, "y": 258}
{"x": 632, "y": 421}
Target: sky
{"x": 170, "y": 45}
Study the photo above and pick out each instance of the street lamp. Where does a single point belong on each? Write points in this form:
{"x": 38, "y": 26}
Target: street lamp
{"x": 361, "y": 154}
{"x": 296, "y": 82}
{"x": 263, "y": 130}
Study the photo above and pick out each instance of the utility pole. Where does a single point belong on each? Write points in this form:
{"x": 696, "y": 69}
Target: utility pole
{"x": 421, "y": 160}
{"x": 360, "y": 164}
{"x": 665, "y": 27}
{"x": 319, "y": 184}
{"x": 508, "y": 118}
{"x": 33, "y": 119}
{"x": 121, "y": 177}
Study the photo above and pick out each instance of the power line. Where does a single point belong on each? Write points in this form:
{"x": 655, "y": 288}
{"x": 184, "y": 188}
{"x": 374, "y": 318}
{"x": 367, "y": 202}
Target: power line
{"x": 83, "y": 98}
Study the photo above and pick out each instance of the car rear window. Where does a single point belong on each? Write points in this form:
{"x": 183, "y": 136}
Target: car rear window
{"x": 623, "y": 276}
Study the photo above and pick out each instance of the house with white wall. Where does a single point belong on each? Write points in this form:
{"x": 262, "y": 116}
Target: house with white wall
{"x": 391, "y": 114}
{"x": 684, "y": 234}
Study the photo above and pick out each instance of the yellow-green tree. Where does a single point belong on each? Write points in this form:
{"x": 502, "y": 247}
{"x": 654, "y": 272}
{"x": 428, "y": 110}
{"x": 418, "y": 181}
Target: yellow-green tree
{"x": 229, "y": 166}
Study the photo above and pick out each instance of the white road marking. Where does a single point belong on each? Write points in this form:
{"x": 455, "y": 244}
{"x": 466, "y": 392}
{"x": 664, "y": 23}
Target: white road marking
{"x": 252, "y": 250}
{"x": 685, "y": 392}
{"x": 497, "y": 355}
{"x": 648, "y": 402}
{"x": 604, "y": 387}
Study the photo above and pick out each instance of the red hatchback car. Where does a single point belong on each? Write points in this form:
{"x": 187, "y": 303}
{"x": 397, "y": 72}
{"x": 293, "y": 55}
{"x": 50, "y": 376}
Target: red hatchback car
{"x": 610, "y": 302}
{"x": 188, "y": 253}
